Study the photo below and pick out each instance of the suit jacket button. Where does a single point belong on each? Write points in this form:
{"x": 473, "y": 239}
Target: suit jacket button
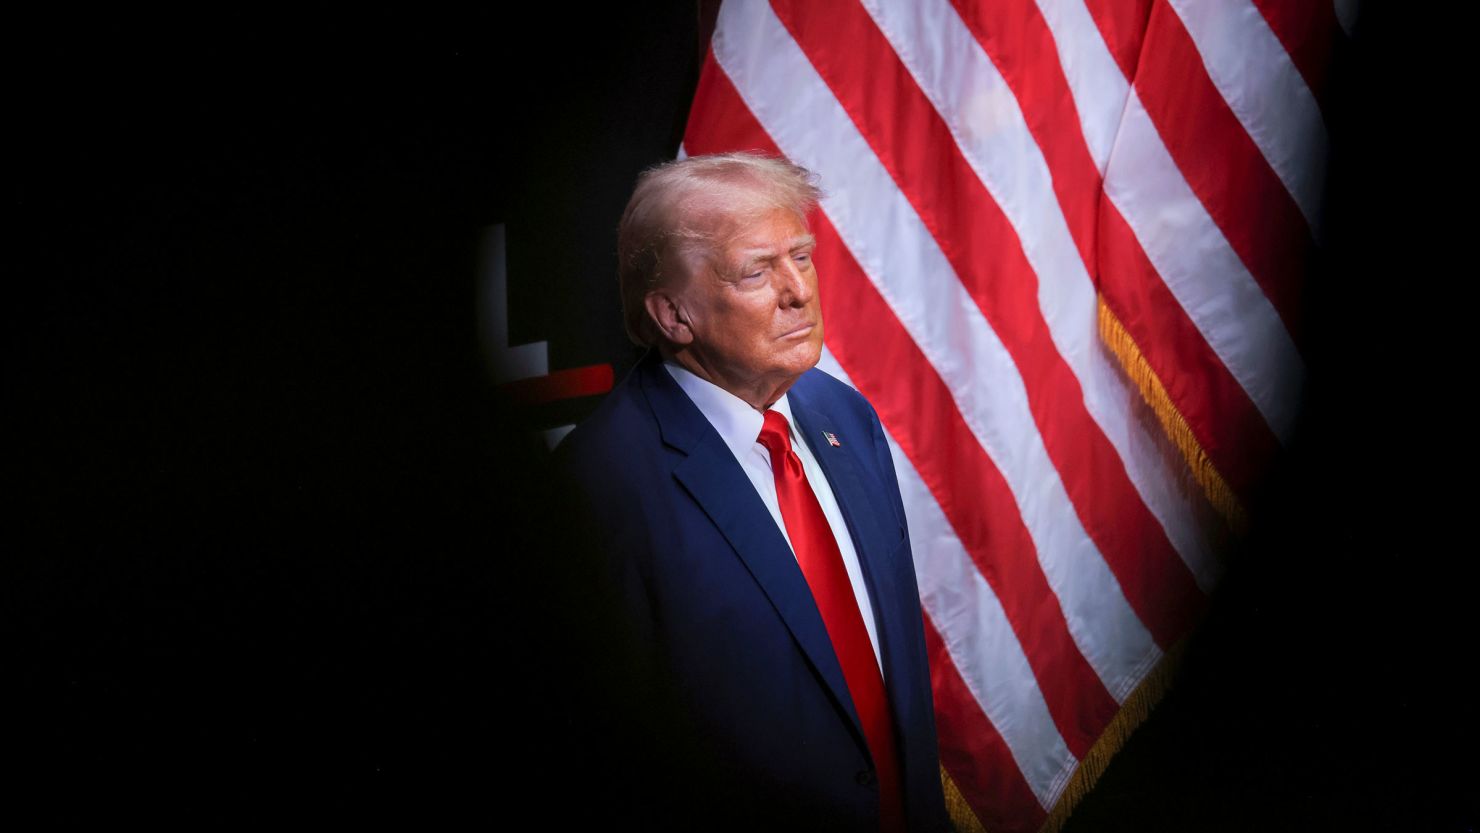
{"x": 865, "y": 778}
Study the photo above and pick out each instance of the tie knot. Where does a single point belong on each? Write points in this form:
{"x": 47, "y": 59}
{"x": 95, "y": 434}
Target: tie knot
{"x": 776, "y": 433}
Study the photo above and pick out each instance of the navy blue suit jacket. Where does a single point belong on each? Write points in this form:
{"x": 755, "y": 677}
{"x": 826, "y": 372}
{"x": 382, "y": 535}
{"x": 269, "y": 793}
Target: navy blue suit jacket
{"x": 710, "y": 587}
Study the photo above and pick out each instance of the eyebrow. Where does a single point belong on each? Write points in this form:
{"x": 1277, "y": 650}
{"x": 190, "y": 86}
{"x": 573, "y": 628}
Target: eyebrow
{"x": 750, "y": 256}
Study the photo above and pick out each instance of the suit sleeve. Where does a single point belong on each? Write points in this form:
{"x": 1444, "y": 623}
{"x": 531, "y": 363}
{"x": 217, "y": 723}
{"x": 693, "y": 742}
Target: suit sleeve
{"x": 630, "y": 733}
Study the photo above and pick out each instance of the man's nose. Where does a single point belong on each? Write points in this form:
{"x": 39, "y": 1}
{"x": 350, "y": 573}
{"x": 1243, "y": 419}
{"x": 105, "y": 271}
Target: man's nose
{"x": 795, "y": 289}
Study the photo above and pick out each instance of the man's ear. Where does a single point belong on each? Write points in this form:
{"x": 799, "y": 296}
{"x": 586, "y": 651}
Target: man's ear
{"x": 663, "y": 309}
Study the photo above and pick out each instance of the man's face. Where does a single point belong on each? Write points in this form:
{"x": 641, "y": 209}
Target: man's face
{"x": 753, "y": 310}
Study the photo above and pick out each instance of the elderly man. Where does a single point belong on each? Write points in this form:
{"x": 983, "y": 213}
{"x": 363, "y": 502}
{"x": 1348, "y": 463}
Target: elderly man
{"x": 749, "y": 519}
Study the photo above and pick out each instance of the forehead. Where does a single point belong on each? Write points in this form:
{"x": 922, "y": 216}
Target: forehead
{"x": 765, "y": 231}
{"x": 743, "y": 236}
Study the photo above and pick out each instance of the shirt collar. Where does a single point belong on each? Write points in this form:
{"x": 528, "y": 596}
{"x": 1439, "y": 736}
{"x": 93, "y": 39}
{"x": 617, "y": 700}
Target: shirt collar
{"x": 738, "y": 424}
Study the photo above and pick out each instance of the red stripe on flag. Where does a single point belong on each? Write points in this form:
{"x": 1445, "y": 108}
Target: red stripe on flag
{"x": 719, "y": 120}
{"x": 974, "y": 753}
{"x": 915, "y": 145}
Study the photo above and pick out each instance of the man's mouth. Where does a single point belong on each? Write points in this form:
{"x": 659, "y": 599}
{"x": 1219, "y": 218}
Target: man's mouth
{"x": 799, "y": 331}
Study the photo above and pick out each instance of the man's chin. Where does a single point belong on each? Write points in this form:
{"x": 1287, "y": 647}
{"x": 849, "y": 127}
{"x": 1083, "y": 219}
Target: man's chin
{"x": 811, "y": 355}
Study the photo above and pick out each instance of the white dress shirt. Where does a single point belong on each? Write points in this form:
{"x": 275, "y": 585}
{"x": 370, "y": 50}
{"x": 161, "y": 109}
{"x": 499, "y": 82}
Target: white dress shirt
{"x": 739, "y": 425}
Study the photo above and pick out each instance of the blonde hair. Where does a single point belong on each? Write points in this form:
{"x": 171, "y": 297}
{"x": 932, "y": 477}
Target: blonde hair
{"x": 678, "y": 210}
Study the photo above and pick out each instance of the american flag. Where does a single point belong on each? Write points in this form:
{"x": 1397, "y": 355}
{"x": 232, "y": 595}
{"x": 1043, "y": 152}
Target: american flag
{"x": 1060, "y": 252}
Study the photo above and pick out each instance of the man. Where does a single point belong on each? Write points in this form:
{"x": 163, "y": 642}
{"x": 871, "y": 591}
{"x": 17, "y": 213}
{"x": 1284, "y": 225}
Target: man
{"x": 751, "y": 525}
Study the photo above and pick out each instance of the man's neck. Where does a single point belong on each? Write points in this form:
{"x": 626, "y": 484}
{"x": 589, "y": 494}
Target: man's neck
{"x": 760, "y": 396}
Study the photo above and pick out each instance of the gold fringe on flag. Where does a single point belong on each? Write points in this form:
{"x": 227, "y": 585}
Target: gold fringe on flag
{"x": 1132, "y": 712}
{"x": 963, "y": 818}
{"x": 1220, "y": 495}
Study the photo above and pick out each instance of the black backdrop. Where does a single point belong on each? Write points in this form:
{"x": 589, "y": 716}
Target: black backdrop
{"x": 278, "y": 544}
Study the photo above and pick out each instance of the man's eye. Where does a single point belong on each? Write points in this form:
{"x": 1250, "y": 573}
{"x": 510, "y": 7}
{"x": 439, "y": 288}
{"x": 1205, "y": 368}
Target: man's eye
{"x": 802, "y": 257}
{"x": 750, "y": 276}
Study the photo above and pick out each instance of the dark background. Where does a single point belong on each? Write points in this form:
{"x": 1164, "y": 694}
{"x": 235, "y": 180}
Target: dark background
{"x": 279, "y": 546}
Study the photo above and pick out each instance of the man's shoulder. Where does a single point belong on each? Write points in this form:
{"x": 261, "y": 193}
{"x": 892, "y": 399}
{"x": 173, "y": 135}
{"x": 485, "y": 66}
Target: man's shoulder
{"x": 822, "y": 391}
{"x": 622, "y": 426}
{"x": 823, "y": 383}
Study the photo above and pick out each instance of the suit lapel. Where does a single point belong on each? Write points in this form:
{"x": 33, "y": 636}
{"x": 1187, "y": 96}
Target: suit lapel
{"x": 874, "y": 541}
{"x": 712, "y": 475}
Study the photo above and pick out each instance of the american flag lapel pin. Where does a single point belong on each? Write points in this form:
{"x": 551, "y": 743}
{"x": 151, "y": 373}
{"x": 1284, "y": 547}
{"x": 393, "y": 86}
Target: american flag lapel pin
{"x": 832, "y": 439}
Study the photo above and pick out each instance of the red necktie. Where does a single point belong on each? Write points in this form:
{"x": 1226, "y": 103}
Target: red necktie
{"x": 822, "y": 565}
